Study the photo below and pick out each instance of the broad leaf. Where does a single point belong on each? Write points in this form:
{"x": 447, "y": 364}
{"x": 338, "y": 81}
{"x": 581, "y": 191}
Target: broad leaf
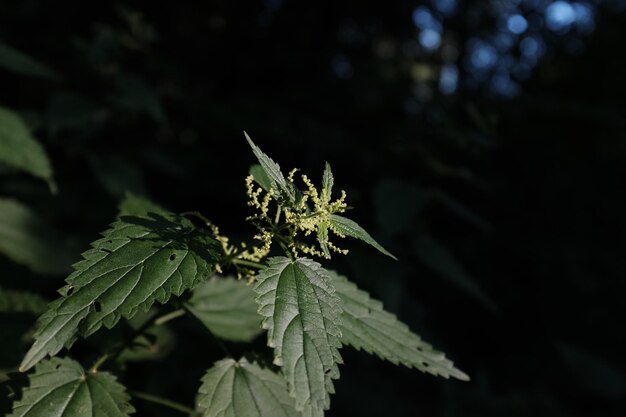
{"x": 226, "y": 307}
{"x": 284, "y": 188}
{"x": 28, "y": 240}
{"x": 350, "y": 228}
{"x": 138, "y": 261}
{"x": 234, "y": 389}
{"x": 261, "y": 178}
{"x": 62, "y": 388}
{"x": 302, "y": 314}
{"x": 20, "y": 150}
{"x": 13, "y": 60}
{"x": 366, "y": 325}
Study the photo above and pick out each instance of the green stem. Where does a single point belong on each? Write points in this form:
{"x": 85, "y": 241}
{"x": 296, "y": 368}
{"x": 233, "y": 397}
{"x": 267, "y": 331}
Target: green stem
{"x": 170, "y": 316}
{"x": 102, "y": 359}
{"x": 163, "y": 401}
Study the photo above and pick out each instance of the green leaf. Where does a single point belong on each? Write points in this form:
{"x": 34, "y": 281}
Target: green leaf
{"x": 272, "y": 170}
{"x": 302, "y": 314}
{"x": 29, "y": 241}
{"x": 16, "y": 301}
{"x": 20, "y": 150}
{"x": 13, "y": 60}
{"x": 366, "y": 325}
{"x": 62, "y": 388}
{"x": 260, "y": 177}
{"x": 322, "y": 238}
{"x": 138, "y": 261}
{"x": 327, "y": 183}
{"x": 226, "y": 307}
{"x": 350, "y": 228}
{"x": 233, "y": 389}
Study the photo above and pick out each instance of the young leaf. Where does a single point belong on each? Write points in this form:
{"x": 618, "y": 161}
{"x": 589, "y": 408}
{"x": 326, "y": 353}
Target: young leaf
{"x": 62, "y": 388}
{"x": 232, "y": 388}
{"x": 261, "y": 178}
{"x": 138, "y": 261}
{"x": 13, "y": 60}
{"x": 226, "y": 307}
{"x": 272, "y": 170}
{"x": 327, "y": 183}
{"x": 28, "y": 240}
{"x": 350, "y": 228}
{"x": 366, "y": 325}
{"x": 20, "y": 150}
{"x": 302, "y": 314}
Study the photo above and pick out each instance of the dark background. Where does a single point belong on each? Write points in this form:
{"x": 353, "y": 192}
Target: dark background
{"x": 491, "y": 165}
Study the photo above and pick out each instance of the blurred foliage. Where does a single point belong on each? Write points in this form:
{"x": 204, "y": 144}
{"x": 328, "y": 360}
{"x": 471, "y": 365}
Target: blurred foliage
{"x": 507, "y": 215}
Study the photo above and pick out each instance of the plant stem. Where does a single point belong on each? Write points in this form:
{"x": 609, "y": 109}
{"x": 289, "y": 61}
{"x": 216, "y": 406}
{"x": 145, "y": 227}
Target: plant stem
{"x": 102, "y": 359}
{"x": 170, "y": 316}
{"x": 245, "y": 262}
{"x": 163, "y": 401}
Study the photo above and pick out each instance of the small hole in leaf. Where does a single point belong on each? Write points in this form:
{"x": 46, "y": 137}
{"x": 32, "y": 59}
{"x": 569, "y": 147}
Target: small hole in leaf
{"x": 327, "y": 371}
{"x": 172, "y": 257}
{"x": 70, "y": 291}
{"x": 425, "y": 365}
{"x": 97, "y": 305}
{"x": 109, "y": 241}
{"x": 420, "y": 349}
{"x": 58, "y": 366}
{"x": 106, "y": 250}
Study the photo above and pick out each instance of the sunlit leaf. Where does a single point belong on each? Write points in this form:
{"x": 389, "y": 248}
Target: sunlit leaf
{"x": 138, "y": 261}
{"x": 350, "y": 228}
{"x": 366, "y": 325}
{"x": 62, "y": 388}
{"x": 302, "y": 315}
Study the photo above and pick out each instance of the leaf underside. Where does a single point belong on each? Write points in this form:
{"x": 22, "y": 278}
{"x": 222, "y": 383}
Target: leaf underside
{"x": 62, "y": 388}
{"x": 366, "y": 325}
{"x": 302, "y": 315}
{"x": 138, "y": 261}
{"x": 351, "y": 228}
{"x": 240, "y": 388}
{"x": 226, "y": 307}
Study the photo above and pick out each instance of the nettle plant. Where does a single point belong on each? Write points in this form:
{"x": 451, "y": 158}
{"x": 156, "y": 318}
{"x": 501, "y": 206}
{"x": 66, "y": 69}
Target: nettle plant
{"x": 236, "y": 290}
